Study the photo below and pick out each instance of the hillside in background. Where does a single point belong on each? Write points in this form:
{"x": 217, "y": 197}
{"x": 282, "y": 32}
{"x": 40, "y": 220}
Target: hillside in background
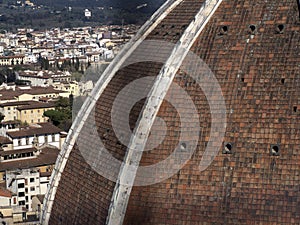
{"x": 120, "y": 4}
{"x": 45, "y": 14}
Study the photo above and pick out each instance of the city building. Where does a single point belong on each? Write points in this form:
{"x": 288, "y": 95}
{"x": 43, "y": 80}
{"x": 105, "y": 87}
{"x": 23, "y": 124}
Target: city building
{"x": 87, "y": 13}
{"x": 11, "y": 60}
{"x": 71, "y": 88}
{"x": 26, "y": 184}
{"x": 36, "y": 135}
{"x": 21, "y": 199}
{"x": 28, "y": 93}
{"x": 224, "y": 78}
{"x": 26, "y": 111}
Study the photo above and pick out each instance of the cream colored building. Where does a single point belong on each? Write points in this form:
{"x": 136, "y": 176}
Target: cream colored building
{"x": 68, "y": 87}
{"x": 25, "y": 111}
{"x": 34, "y": 113}
{"x": 29, "y": 93}
{"x": 36, "y": 93}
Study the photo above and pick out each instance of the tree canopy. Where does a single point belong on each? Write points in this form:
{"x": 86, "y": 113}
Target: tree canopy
{"x": 62, "y": 115}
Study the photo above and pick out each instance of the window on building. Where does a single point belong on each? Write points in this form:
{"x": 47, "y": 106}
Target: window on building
{"x": 15, "y": 201}
{"x": 26, "y": 181}
{"x": 27, "y": 140}
{"x": 26, "y": 190}
{"x": 53, "y": 137}
{"x": 32, "y": 188}
{"x": 21, "y": 185}
{"x": 31, "y": 180}
{"x": 46, "y": 138}
{"x": 19, "y": 142}
{"x": 26, "y": 198}
{"x": 21, "y": 194}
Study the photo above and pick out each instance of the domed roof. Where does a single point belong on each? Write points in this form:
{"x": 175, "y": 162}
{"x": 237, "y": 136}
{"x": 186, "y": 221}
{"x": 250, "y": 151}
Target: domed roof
{"x": 196, "y": 121}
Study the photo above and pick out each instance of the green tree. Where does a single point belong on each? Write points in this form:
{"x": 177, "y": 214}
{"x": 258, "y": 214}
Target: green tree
{"x": 62, "y": 115}
{"x": 55, "y": 116}
{"x": 62, "y": 103}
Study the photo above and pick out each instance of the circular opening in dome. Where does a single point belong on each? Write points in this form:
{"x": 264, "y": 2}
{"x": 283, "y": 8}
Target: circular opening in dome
{"x": 280, "y": 27}
{"x": 275, "y": 150}
{"x": 227, "y": 148}
{"x": 183, "y": 146}
{"x": 252, "y": 28}
{"x": 225, "y": 29}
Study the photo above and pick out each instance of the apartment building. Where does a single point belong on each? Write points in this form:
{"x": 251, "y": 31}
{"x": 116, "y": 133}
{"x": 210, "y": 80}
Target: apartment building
{"x": 26, "y": 111}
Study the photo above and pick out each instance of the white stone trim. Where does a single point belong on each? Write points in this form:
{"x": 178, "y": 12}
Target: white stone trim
{"x": 155, "y": 98}
{"x": 89, "y": 104}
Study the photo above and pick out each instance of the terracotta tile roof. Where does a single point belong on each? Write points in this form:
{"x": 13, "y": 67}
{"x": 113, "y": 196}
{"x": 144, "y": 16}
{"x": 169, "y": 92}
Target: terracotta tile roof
{"x": 14, "y": 94}
{"x": 5, "y": 140}
{"x": 37, "y": 105}
{"x": 23, "y": 105}
{"x": 41, "y": 129}
{"x": 16, "y": 122}
{"x": 45, "y": 174}
{"x": 48, "y": 156}
{"x": 5, "y": 193}
{"x": 16, "y": 103}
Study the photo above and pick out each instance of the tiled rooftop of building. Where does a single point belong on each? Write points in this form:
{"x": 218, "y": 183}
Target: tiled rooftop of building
{"x": 36, "y": 105}
{"x": 5, "y": 193}
{"x": 11, "y": 95}
{"x": 23, "y": 105}
{"x": 47, "y": 156}
{"x": 5, "y": 140}
{"x": 39, "y": 129}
